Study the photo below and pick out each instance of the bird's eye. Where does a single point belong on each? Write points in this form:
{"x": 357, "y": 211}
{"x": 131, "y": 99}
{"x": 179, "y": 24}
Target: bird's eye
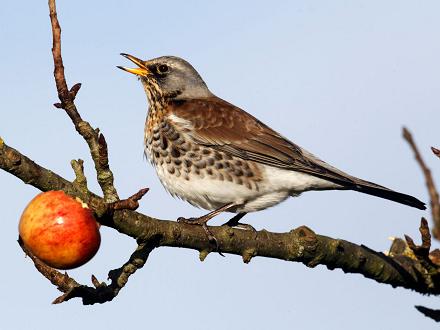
{"x": 163, "y": 68}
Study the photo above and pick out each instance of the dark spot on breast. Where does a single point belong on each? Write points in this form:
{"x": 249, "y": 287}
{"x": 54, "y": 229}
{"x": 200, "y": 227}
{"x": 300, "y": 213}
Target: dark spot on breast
{"x": 249, "y": 174}
{"x": 238, "y": 162}
{"x": 228, "y": 177}
{"x": 219, "y": 166}
{"x": 218, "y": 156}
{"x": 177, "y": 161}
{"x": 192, "y": 155}
{"x": 186, "y": 177}
{"x": 164, "y": 143}
{"x": 173, "y": 136}
{"x": 167, "y": 130}
{"x": 171, "y": 169}
{"x": 221, "y": 177}
{"x": 200, "y": 164}
{"x": 197, "y": 171}
{"x": 227, "y": 164}
{"x": 187, "y": 162}
{"x": 238, "y": 172}
{"x": 156, "y": 154}
{"x": 175, "y": 153}
{"x": 248, "y": 185}
{"x": 209, "y": 171}
{"x": 206, "y": 151}
{"x": 210, "y": 161}
{"x": 239, "y": 181}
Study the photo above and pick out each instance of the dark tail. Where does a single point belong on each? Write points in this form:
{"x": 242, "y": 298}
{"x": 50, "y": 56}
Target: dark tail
{"x": 382, "y": 192}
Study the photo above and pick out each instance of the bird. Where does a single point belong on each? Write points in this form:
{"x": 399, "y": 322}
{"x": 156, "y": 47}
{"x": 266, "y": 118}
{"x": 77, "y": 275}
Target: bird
{"x": 218, "y": 157}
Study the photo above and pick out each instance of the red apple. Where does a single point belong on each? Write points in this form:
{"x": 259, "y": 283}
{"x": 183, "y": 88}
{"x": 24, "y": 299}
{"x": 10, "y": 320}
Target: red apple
{"x": 60, "y": 230}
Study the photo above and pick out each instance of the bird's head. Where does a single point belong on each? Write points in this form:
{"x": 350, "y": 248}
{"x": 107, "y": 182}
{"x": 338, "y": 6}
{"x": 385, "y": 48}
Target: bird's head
{"x": 168, "y": 77}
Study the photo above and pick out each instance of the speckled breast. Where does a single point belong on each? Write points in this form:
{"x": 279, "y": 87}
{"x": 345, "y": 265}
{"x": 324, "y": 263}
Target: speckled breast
{"x": 180, "y": 161}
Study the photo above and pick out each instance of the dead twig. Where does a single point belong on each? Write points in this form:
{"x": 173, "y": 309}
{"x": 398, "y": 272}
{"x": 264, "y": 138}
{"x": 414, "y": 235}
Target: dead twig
{"x": 433, "y": 193}
{"x": 95, "y": 140}
{"x": 100, "y": 292}
{"x": 131, "y": 203}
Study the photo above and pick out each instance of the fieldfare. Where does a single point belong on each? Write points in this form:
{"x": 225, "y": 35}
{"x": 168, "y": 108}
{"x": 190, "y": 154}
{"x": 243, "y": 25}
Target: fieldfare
{"x": 218, "y": 157}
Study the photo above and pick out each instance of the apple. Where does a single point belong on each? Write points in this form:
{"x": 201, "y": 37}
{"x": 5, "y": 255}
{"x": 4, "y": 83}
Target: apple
{"x": 60, "y": 230}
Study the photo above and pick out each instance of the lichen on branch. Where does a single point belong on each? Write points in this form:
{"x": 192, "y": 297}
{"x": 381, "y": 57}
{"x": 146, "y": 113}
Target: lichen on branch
{"x": 399, "y": 269}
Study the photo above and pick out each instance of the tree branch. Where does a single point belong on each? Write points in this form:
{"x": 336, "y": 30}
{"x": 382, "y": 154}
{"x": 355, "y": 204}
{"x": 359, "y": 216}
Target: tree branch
{"x": 95, "y": 140}
{"x": 433, "y": 193}
{"x": 100, "y": 292}
{"x": 399, "y": 269}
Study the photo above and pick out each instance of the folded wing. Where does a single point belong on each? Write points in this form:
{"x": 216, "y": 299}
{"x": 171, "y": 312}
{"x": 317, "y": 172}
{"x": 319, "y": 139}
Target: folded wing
{"x": 223, "y": 126}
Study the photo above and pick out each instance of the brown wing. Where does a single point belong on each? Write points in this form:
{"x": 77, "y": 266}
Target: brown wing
{"x": 225, "y": 127}
{"x": 221, "y": 125}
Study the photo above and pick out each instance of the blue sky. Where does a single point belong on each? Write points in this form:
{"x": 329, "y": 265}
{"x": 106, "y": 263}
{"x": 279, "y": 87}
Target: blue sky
{"x": 339, "y": 78}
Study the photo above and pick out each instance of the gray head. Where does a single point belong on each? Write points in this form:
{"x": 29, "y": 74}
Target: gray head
{"x": 168, "y": 77}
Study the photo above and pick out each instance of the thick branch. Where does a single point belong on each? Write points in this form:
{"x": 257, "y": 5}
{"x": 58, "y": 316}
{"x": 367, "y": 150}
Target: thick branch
{"x": 433, "y": 193}
{"x": 300, "y": 245}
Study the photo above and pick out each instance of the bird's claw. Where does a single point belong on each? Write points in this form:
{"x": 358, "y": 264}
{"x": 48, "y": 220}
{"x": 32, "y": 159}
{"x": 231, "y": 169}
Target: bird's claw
{"x": 202, "y": 222}
{"x": 242, "y": 226}
{"x": 234, "y": 223}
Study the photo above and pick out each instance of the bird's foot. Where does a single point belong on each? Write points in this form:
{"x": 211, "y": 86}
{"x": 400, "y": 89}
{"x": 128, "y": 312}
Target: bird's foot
{"x": 201, "y": 221}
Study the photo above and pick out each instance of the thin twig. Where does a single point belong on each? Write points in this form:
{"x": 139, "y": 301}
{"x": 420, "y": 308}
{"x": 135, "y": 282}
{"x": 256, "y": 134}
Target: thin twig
{"x": 80, "y": 178}
{"x": 95, "y": 140}
{"x": 62, "y": 281}
{"x": 433, "y": 193}
{"x": 436, "y": 151}
{"x": 131, "y": 203}
{"x": 100, "y": 292}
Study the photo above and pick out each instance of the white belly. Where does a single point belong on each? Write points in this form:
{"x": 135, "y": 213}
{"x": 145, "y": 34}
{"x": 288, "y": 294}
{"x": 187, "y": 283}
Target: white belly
{"x": 210, "y": 193}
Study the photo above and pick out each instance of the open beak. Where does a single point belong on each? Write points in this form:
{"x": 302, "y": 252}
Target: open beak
{"x": 142, "y": 69}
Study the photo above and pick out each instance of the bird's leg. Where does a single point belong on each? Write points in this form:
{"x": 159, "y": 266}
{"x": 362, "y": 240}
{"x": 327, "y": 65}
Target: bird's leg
{"x": 201, "y": 221}
{"x": 234, "y": 222}
{"x": 235, "y": 219}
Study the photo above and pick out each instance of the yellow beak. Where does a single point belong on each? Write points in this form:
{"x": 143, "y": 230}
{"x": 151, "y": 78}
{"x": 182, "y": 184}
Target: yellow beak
{"x": 141, "y": 71}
